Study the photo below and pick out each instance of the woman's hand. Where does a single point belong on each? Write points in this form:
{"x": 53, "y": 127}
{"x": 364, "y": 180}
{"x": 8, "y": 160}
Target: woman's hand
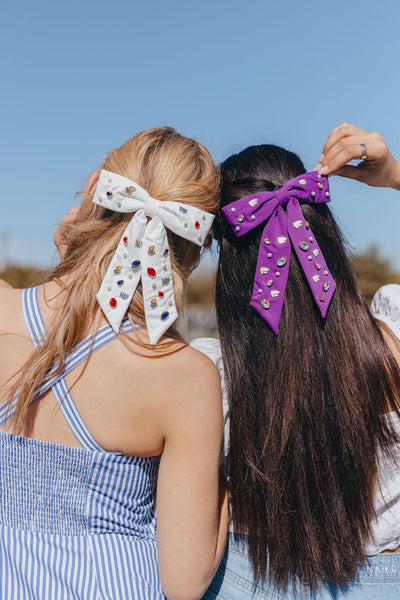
{"x": 60, "y": 235}
{"x": 379, "y": 169}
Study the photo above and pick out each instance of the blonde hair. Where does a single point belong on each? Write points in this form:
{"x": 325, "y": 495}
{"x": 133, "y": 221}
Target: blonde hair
{"x": 170, "y": 167}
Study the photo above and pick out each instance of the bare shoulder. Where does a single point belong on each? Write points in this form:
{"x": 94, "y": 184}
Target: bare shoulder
{"x": 194, "y": 387}
{"x": 4, "y": 285}
{"x": 10, "y": 306}
{"x": 192, "y": 370}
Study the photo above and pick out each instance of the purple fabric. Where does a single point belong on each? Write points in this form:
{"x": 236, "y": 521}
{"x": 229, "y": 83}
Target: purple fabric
{"x": 280, "y": 231}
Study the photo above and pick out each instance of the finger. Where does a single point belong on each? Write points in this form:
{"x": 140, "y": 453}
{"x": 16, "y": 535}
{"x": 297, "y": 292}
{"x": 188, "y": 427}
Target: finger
{"x": 350, "y": 148}
{"x": 340, "y": 156}
{"x": 343, "y": 130}
{"x": 377, "y": 151}
{"x": 352, "y": 172}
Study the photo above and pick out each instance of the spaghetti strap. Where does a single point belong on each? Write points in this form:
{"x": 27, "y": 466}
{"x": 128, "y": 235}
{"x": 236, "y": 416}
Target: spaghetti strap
{"x": 37, "y": 331}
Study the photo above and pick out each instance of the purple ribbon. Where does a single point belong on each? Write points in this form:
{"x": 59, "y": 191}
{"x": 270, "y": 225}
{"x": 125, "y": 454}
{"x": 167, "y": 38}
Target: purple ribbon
{"x": 281, "y": 230}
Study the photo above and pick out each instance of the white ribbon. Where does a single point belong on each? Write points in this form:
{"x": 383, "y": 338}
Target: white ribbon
{"x": 143, "y": 251}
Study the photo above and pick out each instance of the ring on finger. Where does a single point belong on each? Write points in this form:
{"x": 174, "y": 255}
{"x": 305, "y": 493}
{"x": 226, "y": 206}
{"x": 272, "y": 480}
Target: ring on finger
{"x": 364, "y": 152}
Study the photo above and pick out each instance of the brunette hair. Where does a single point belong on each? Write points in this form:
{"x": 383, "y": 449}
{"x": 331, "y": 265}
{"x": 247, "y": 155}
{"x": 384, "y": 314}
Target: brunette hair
{"x": 170, "y": 167}
{"x": 307, "y": 406}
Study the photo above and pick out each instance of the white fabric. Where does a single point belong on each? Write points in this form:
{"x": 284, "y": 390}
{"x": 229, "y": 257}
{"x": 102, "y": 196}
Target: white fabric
{"x": 386, "y": 528}
{"x": 146, "y": 243}
{"x": 211, "y": 347}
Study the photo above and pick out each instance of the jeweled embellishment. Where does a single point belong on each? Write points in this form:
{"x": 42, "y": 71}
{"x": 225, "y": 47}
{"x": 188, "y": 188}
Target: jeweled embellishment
{"x": 315, "y": 278}
{"x": 317, "y": 266}
{"x": 267, "y": 241}
{"x": 326, "y": 285}
{"x": 282, "y": 239}
{"x": 138, "y": 244}
{"x": 183, "y": 209}
{"x": 265, "y": 304}
{"x": 270, "y": 282}
{"x": 161, "y": 294}
{"x": 117, "y": 270}
{"x": 304, "y": 246}
{"x": 135, "y": 264}
{"x": 113, "y": 303}
{"x": 151, "y": 251}
{"x": 321, "y": 187}
{"x": 153, "y": 303}
{"x": 303, "y": 181}
{"x": 253, "y": 202}
{"x": 306, "y": 224}
{"x": 297, "y": 224}
{"x": 165, "y": 281}
{"x": 322, "y": 298}
{"x": 124, "y": 296}
{"x": 166, "y": 252}
{"x": 125, "y": 240}
{"x": 315, "y": 251}
{"x": 281, "y": 262}
{"x": 275, "y": 293}
{"x": 165, "y": 315}
{"x": 120, "y": 282}
{"x": 197, "y": 225}
{"x": 240, "y": 218}
{"x": 109, "y": 194}
{"x": 129, "y": 190}
{"x": 264, "y": 270}
{"x": 151, "y": 271}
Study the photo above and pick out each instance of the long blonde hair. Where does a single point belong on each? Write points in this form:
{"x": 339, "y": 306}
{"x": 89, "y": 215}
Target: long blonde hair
{"x": 170, "y": 167}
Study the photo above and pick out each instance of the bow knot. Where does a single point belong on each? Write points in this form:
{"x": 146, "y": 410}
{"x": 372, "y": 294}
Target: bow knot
{"x": 151, "y": 207}
{"x": 279, "y": 233}
{"x": 143, "y": 251}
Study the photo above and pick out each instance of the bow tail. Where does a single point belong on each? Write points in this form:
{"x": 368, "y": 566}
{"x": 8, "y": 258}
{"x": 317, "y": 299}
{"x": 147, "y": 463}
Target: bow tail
{"x": 123, "y": 273}
{"x": 157, "y": 284}
{"x": 310, "y": 257}
{"x": 272, "y": 270}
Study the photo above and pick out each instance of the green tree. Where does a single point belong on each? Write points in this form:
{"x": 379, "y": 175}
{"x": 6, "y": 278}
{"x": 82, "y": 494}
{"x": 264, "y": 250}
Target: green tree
{"x": 373, "y": 271}
{"x": 22, "y": 277}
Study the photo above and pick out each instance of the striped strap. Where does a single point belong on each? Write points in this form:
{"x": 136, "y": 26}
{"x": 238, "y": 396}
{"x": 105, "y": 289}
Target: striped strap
{"x": 36, "y": 329}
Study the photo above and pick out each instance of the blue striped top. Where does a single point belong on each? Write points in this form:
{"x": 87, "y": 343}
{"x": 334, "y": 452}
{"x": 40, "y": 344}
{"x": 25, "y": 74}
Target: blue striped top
{"x": 75, "y": 523}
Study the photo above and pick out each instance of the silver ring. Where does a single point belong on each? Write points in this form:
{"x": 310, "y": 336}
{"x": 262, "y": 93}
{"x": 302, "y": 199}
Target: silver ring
{"x": 364, "y": 152}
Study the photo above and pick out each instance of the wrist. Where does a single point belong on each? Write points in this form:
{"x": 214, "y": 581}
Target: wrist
{"x": 394, "y": 179}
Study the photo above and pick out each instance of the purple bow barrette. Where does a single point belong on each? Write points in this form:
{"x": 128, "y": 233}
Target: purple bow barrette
{"x": 274, "y": 253}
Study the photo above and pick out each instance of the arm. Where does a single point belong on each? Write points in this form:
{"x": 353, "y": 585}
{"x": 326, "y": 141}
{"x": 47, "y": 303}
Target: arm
{"x": 380, "y": 169}
{"x": 191, "y": 514}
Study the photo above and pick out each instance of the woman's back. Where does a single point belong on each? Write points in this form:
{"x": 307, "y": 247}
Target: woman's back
{"x": 120, "y": 395}
{"x": 96, "y": 415}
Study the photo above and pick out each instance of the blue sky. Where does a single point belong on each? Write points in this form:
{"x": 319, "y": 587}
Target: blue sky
{"x": 79, "y": 78}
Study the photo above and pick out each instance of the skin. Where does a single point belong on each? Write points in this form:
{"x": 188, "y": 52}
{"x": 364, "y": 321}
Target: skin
{"x": 141, "y": 405}
{"x": 380, "y": 169}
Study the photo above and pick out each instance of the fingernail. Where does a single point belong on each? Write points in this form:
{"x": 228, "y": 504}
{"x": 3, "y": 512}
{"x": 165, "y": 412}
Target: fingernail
{"x": 324, "y": 170}
{"x": 321, "y": 158}
{"x": 317, "y": 168}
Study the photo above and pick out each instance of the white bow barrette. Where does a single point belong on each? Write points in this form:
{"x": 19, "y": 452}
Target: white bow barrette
{"x": 143, "y": 251}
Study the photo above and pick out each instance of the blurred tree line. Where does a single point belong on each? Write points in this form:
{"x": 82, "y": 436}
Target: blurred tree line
{"x": 373, "y": 271}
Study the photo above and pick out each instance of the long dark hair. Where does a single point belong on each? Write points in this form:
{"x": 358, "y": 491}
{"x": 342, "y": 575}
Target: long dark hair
{"x": 306, "y": 406}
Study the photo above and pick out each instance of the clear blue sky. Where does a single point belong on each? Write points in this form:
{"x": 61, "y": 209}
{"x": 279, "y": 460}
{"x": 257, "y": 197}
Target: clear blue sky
{"x": 78, "y": 78}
